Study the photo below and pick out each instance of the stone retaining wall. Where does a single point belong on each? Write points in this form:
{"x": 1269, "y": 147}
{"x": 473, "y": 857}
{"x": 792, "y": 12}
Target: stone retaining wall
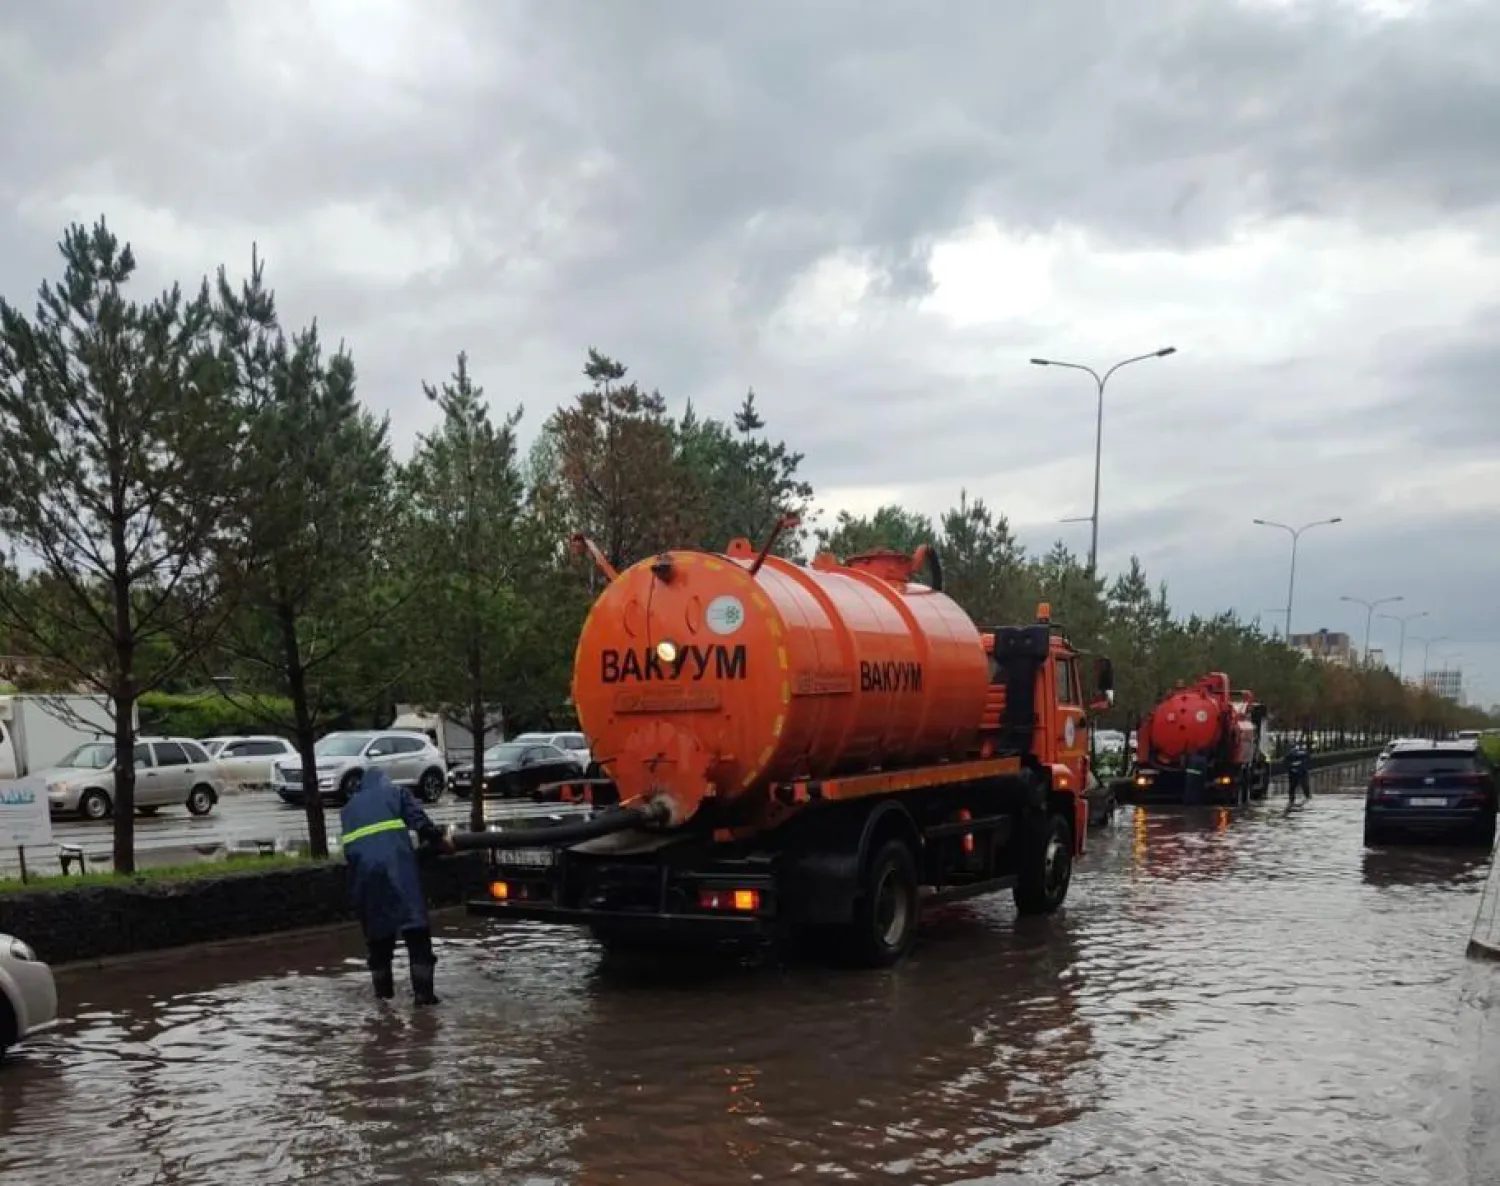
{"x": 91, "y": 922}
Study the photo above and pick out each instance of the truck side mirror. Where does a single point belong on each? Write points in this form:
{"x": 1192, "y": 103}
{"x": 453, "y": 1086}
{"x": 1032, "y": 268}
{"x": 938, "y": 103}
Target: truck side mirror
{"x": 1104, "y": 676}
{"x": 1104, "y": 702}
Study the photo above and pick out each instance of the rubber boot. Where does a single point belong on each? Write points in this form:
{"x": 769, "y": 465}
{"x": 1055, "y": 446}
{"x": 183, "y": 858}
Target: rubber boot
{"x": 422, "y": 983}
{"x": 384, "y": 981}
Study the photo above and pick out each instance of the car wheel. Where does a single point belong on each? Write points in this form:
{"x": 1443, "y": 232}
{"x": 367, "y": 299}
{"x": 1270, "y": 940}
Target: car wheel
{"x": 201, "y": 799}
{"x": 430, "y": 787}
{"x": 10, "y": 1028}
{"x": 95, "y": 805}
{"x": 348, "y": 785}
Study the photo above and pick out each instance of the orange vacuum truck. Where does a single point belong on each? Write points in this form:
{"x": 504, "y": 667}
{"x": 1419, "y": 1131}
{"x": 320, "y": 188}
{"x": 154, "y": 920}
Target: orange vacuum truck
{"x": 1203, "y": 744}
{"x": 803, "y": 751}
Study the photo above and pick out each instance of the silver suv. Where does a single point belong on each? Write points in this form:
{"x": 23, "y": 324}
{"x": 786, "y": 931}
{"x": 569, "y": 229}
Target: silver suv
{"x": 409, "y": 759}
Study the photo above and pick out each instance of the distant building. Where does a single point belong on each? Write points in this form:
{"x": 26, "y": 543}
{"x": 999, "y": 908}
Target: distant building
{"x": 1325, "y": 645}
{"x": 1447, "y": 683}
{"x": 1377, "y": 657}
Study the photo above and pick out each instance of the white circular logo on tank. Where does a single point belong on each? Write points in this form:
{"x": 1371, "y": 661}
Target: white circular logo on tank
{"x": 1200, "y": 716}
{"x": 1070, "y": 731}
{"x": 725, "y": 614}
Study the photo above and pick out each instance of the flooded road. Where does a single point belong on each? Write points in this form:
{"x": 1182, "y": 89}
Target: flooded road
{"x": 1225, "y": 1001}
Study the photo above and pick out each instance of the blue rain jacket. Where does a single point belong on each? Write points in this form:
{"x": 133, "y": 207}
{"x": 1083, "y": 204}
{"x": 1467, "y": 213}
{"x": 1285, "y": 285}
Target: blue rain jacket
{"x": 385, "y": 884}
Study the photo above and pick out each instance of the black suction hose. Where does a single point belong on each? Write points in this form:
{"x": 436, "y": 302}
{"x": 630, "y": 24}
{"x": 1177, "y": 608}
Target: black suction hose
{"x": 613, "y": 819}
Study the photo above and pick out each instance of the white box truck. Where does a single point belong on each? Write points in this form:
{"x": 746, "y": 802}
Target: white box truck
{"x": 36, "y": 731}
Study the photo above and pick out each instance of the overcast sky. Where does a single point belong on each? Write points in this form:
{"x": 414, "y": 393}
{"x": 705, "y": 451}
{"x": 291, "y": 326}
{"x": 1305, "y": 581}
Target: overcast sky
{"x": 875, "y": 213}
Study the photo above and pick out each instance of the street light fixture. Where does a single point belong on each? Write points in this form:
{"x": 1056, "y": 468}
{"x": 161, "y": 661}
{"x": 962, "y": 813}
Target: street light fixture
{"x": 1099, "y": 382}
{"x": 1401, "y": 648}
{"x": 1370, "y": 607}
{"x": 1427, "y": 652}
{"x": 1291, "y": 580}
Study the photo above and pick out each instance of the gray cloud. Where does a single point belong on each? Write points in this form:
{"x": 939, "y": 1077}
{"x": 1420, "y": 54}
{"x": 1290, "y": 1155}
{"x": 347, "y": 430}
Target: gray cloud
{"x": 656, "y": 178}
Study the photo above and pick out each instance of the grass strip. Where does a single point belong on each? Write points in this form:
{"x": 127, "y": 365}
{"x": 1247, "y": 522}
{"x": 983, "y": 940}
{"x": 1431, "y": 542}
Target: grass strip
{"x": 162, "y": 875}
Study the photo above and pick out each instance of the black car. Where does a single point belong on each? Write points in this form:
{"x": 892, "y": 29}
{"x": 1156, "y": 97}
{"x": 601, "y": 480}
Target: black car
{"x": 1441, "y": 790}
{"x": 513, "y": 770}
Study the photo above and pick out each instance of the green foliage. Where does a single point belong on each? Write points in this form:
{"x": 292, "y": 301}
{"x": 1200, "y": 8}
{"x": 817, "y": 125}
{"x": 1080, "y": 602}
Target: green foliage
{"x": 234, "y": 866}
{"x": 116, "y": 429}
{"x": 209, "y": 714}
{"x": 989, "y": 574}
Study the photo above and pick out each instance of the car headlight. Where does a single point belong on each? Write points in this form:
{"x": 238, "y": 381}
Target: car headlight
{"x": 21, "y": 951}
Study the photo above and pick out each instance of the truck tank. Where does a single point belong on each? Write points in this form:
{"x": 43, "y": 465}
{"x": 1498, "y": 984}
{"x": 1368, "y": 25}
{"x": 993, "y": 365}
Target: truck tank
{"x": 703, "y": 676}
{"x": 1202, "y": 719}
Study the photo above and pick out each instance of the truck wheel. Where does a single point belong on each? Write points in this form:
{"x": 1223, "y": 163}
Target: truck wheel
{"x": 1045, "y": 868}
{"x": 885, "y": 916}
{"x": 95, "y": 805}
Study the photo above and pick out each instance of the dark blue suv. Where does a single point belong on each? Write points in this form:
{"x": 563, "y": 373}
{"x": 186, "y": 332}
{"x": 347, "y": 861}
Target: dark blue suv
{"x": 1440, "y": 789}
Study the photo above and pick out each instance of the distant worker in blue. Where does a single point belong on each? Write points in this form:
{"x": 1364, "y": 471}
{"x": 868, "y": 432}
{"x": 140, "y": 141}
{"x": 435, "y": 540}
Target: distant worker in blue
{"x": 385, "y": 883}
{"x": 1298, "y": 763}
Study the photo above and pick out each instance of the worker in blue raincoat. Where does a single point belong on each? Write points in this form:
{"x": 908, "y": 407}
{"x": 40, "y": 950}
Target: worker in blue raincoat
{"x": 1298, "y": 766}
{"x": 385, "y": 884}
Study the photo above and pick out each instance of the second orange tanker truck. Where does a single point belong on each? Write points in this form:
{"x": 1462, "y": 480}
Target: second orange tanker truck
{"x": 797, "y": 750}
{"x": 1203, "y": 744}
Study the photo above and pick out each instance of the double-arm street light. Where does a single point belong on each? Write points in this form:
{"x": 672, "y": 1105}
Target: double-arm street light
{"x": 1401, "y": 647}
{"x": 1370, "y": 608}
{"x": 1291, "y": 580}
{"x": 1099, "y": 382}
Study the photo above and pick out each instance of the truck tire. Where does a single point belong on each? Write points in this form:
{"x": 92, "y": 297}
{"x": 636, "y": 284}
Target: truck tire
{"x": 886, "y": 910}
{"x": 1045, "y": 863}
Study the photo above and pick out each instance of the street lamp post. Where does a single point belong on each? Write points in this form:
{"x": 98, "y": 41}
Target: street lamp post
{"x": 1401, "y": 647}
{"x": 1427, "y": 652}
{"x": 1370, "y": 607}
{"x": 1099, "y": 382}
{"x": 1291, "y": 580}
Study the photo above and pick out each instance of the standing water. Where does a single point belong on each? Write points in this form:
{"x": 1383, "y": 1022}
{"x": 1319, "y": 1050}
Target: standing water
{"x": 1226, "y": 1000}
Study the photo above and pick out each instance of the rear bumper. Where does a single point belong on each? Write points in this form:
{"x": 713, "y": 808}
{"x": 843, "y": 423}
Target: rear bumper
{"x": 631, "y": 898}
{"x": 1426, "y": 821}
{"x": 1176, "y": 787}
{"x": 705, "y": 928}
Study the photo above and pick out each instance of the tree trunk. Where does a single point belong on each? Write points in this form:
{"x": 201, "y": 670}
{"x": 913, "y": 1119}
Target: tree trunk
{"x": 124, "y": 856}
{"x": 477, "y": 722}
{"x": 296, "y": 677}
{"x": 124, "y": 698}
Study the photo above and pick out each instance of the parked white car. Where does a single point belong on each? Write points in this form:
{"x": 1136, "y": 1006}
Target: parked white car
{"x": 28, "y": 994}
{"x": 247, "y": 762}
{"x": 169, "y": 772}
{"x": 574, "y": 744}
{"x": 409, "y": 759}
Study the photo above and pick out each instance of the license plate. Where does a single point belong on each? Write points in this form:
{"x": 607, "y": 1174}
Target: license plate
{"x": 1421, "y": 802}
{"x": 539, "y": 858}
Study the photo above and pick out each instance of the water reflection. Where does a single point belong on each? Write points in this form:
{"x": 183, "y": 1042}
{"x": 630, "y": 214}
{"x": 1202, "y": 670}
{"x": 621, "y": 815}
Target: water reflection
{"x": 1183, "y": 843}
{"x": 1428, "y": 867}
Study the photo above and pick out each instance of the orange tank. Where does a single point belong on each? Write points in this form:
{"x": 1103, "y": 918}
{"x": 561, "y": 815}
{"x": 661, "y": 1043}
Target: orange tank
{"x": 701, "y": 676}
